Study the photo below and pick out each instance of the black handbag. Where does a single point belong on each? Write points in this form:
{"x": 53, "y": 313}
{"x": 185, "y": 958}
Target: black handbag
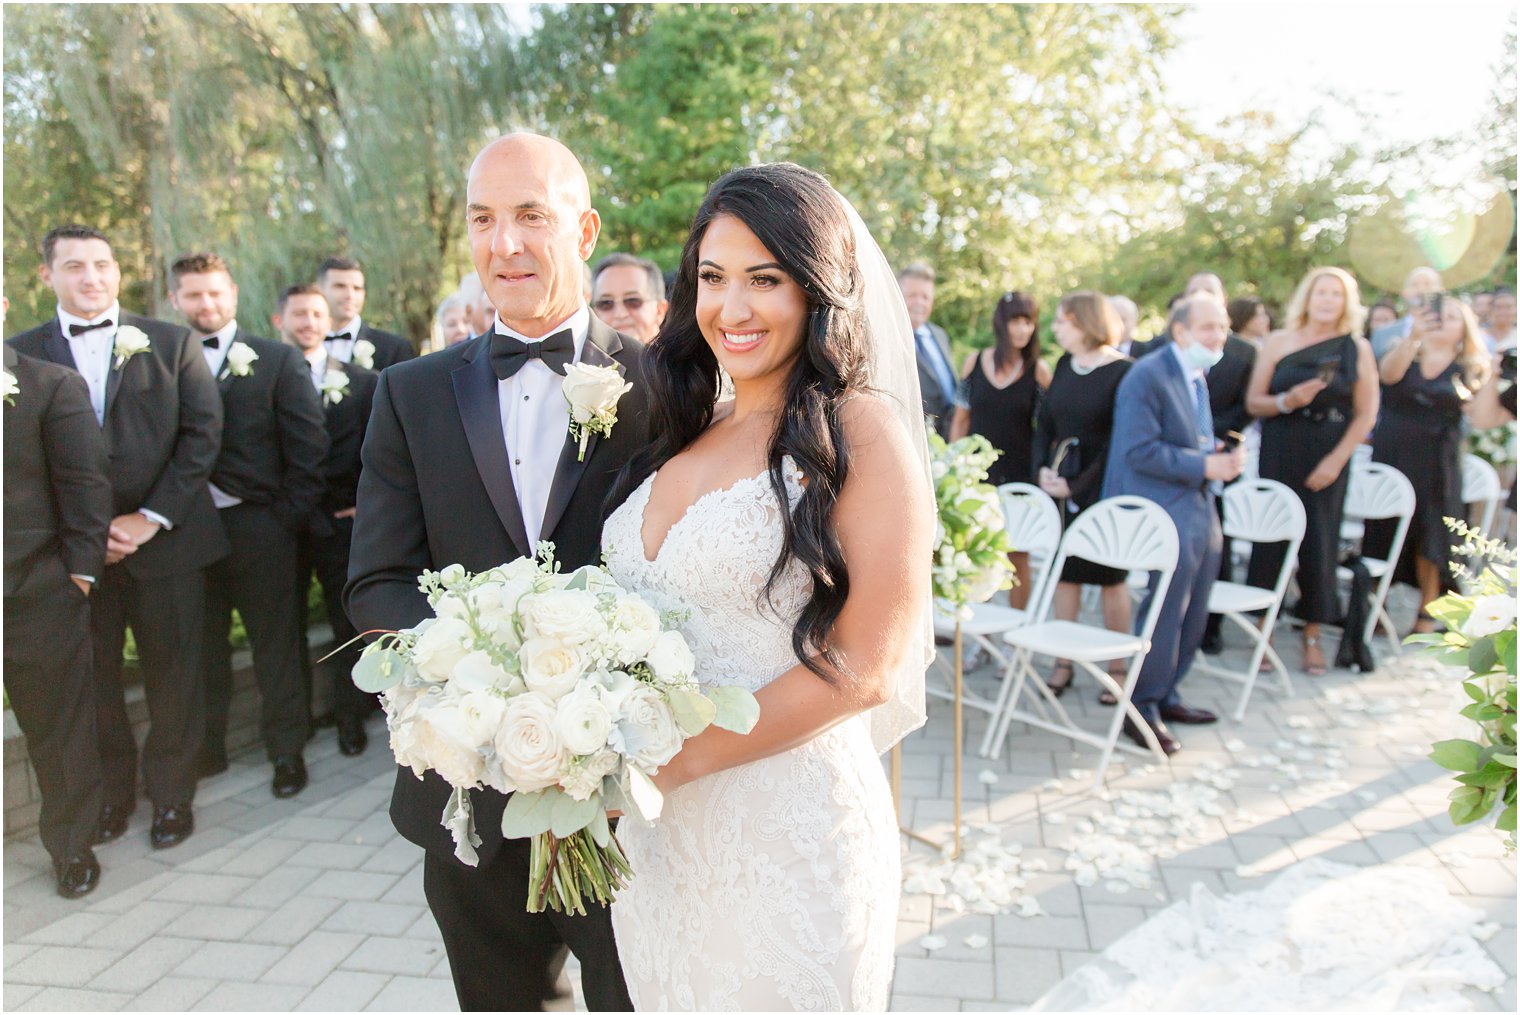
{"x": 1067, "y": 461}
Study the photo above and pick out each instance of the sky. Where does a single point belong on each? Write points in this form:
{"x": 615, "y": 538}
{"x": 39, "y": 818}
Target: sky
{"x": 1416, "y": 70}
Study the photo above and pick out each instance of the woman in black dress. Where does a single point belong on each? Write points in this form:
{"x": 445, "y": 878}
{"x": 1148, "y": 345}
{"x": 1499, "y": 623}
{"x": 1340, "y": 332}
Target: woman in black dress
{"x": 1001, "y": 389}
{"x": 1315, "y": 389}
{"x": 1428, "y": 381}
{"x": 1072, "y": 430}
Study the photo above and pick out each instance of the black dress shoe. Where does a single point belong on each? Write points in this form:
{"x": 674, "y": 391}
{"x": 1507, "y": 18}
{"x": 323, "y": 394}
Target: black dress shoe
{"x": 113, "y": 823}
{"x": 78, "y": 875}
{"x": 352, "y": 738}
{"x": 1187, "y": 715}
{"x": 1212, "y": 644}
{"x": 172, "y": 825}
{"x": 1169, "y": 744}
{"x": 210, "y": 762}
{"x": 321, "y": 722}
{"x": 289, "y": 775}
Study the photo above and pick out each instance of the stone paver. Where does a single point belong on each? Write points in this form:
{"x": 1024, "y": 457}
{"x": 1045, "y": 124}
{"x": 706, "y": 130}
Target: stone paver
{"x": 316, "y": 904}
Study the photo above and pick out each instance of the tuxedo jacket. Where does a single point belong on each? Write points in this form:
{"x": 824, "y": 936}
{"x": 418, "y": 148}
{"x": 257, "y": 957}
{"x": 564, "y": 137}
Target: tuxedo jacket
{"x": 436, "y": 489}
{"x": 163, "y": 430}
{"x": 57, "y": 492}
{"x": 928, "y": 382}
{"x": 345, "y": 421}
{"x": 1227, "y": 381}
{"x": 389, "y": 348}
{"x": 273, "y": 438}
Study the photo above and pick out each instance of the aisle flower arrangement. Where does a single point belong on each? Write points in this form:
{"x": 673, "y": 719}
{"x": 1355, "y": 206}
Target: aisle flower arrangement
{"x": 971, "y": 544}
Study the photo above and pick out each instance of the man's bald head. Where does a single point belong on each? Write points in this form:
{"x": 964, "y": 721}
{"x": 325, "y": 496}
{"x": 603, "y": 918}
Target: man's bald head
{"x": 1419, "y": 283}
{"x": 531, "y": 228}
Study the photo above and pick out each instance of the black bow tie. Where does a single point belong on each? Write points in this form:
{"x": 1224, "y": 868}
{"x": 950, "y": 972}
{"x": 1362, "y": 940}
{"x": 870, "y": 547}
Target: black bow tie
{"x": 213, "y": 343}
{"x": 341, "y": 336}
{"x": 75, "y": 330}
{"x": 509, "y": 354}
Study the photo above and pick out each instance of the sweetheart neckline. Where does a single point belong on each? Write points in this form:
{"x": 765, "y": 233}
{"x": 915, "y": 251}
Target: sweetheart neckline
{"x": 647, "y": 488}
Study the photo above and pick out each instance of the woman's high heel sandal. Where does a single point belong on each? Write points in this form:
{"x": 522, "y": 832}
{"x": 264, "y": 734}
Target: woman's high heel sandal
{"x": 1060, "y": 679}
{"x": 1107, "y": 697}
{"x": 1313, "y": 669}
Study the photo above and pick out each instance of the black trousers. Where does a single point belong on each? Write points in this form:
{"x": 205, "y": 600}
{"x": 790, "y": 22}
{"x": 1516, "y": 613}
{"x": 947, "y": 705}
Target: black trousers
{"x": 327, "y": 556}
{"x": 49, "y": 682}
{"x": 167, "y": 615}
{"x": 504, "y": 958}
{"x": 258, "y": 579}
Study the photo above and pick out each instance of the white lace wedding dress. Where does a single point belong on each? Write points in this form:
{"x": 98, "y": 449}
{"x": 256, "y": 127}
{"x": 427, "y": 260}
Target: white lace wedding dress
{"x": 774, "y": 885}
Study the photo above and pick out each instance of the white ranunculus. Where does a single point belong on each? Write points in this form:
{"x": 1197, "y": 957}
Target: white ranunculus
{"x": 567, "y": 615}
{"x": 583, "y": 720}
{"x": 444, "y": 740}
{"x": 1490, "y": 615}
{"x": 671, "y": 659}
{"x": 451, "y": 605}
{"x": 240, "y": 359}
{"x": 528, "y": 745}
{"x": 634, "y": 627}
{"x": 364, "y": 353}
{"x": 444, "y": 642}
{"x": 129, "y": 342}
{"x": 593, "y": 390}
{"x": 551, "y": 667}
{"x": 481, "y": 714}
{"x": 644, "y": 728}
{"x": 477, "y": 674}
{"x": 495, "y": 608}
{"x": 586, "y": 774}
{"x": 523, "y": 569}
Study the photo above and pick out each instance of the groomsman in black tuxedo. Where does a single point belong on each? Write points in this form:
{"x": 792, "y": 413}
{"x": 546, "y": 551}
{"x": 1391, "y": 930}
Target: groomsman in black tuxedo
{"x": 468, "y": 460}
{"x": 346, "y": 391}
{"x": 57, "y": 511}
{"x": 158, "y": 406}
{"x": 341, "y": 281}
{"x": 266, "y": 484}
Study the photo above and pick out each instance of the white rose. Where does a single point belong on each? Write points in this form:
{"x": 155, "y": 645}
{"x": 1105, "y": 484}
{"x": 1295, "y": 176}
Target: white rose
{"x": 334, "y": 387}
{"x": 527, "y": 744}
{"x": 364, "y": 353}
{"x": 979, "y": 587}
{"x": 401, "y": 711}
{"x": 240, "y": 359}
{"x": 582, "y": 721}
{"x": 1490, "y": 615}
{"x": 129, "y": 342}
{"x": 451, "y": 604}
{"x": 670, "y": 658}
{"x": 444, "y": 642}
{"x": 586, "y": 774}
{"x": 442, "y": 738}
{"x": 551, "y": 667}
{"x": 593, "y": 390}
{"x": 569, "y": 616}
{"x": 9, "y": 387}
{"x": 477, "y": 674}
{"x": 523, "y": 569}
{"x": 634, "y": 627}
{"x": 644, "y": 728}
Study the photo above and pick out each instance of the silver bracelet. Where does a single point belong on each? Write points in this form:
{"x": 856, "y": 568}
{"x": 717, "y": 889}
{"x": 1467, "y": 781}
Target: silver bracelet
{"x": 1281, "y": 401}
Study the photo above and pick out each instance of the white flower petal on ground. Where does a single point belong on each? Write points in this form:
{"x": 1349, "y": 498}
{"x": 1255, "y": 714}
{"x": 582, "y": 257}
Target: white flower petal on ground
{"x": 977, "y": 941}
{"x": 987, "y": 777}
{"x": 932, "y": 942}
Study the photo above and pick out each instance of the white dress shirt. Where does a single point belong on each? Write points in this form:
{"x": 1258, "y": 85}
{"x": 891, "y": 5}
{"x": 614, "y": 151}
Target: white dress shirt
{"x": 216, "y": 358}
{"x": 316, "y": 362}
{"x": 535, "y": 420}
{"x": 343, "y": 348}
{"x": 93, "y": 353}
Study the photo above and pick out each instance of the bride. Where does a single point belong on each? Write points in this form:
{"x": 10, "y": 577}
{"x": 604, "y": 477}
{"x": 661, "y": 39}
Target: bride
{"x": 792, "y": 527}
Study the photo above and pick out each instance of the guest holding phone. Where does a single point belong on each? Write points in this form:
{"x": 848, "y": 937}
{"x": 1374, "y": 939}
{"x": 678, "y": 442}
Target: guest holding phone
{"x": 1315, "y": 389}
{"x": 1072, "y": 431}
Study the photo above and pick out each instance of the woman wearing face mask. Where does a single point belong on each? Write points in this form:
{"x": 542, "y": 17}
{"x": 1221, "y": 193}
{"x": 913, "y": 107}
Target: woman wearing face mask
{"x": 1001, "y": 390}
{"x": 1428, "y": 382}
{"x": 1072, "y": 431}
{"x": 1315, "y": 389}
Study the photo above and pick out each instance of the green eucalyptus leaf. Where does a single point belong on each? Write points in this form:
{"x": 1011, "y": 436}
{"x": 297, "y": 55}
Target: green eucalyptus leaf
{"x": 737, "y": 709}
{"x": 379, "y": 671}
{"x": 601, "y": 831}
{"x": 1482, "y": 658}
{"x": 693, "y": 712}
{"x": 529, "y": 814}
{"x": 570, "y": 815}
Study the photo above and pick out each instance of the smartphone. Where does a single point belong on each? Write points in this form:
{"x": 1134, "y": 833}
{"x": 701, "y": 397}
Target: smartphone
{"x": 1434, "y": 304}
{"x": 1327, "y": 370}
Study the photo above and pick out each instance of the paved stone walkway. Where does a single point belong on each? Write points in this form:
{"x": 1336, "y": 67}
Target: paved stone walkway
{"x": 314, "y": 903}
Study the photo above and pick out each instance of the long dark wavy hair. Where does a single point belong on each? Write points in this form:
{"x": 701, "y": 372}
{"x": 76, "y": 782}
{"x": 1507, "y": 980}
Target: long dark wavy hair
{"x": 1011, "y": 305}
{"x": 795, "y": 214}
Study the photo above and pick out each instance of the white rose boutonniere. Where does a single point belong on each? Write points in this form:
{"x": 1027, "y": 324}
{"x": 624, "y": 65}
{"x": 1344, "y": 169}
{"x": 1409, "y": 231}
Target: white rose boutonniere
{"x": 129, "y": 342}
{"x": 8, "y": 387}
{"x": 240, "y": 360}
{"x": 334, "y": 387}
{"x": 364, "y": 353}
{"x": 593, "y": 393}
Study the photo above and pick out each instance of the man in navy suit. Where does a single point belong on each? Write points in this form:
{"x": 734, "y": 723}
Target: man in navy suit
{"x": 1164, "y": 450}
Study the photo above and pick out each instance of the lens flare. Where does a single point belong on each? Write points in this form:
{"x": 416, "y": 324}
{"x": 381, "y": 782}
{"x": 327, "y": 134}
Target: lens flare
{"x": 1462, "y": 232}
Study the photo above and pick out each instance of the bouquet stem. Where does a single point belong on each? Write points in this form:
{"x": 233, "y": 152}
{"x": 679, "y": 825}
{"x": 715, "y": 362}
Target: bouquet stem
{"x": 564, "y": 874}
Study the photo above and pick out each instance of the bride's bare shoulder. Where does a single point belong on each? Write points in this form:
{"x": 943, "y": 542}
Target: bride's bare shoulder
{"x": 878, "y": 441}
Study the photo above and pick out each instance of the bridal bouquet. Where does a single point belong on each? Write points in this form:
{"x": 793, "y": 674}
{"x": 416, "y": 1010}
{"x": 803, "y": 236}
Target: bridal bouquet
{"x": 971, "y": 546}
{"x": 560, "y": 689}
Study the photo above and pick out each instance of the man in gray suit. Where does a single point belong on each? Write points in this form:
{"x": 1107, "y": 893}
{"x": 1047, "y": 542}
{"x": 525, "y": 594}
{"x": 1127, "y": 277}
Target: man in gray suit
{"x": 936, "y": 377}
{"x": 1419, "y": 284}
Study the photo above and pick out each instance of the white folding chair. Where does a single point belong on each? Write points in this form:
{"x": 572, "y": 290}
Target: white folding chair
{"x": 1378, "y": 491}
{"x": 1481, "y": 487}
{"x": 1033, "y": 523}
{"x": 1131, "y": 533}
{"x": 1257, "y": 511}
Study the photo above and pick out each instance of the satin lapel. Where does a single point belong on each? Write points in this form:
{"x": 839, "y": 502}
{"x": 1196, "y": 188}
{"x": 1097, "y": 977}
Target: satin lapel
{"x": 224, "y": 376}
{"x": 113, "y": 376}
{"x": 602, "y": 343}
{"x": 480, "y": 411}
{"x": 56, "y": 347}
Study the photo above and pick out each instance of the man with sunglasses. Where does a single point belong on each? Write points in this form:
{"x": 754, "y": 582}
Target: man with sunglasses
{"x": 628, "y": 294}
